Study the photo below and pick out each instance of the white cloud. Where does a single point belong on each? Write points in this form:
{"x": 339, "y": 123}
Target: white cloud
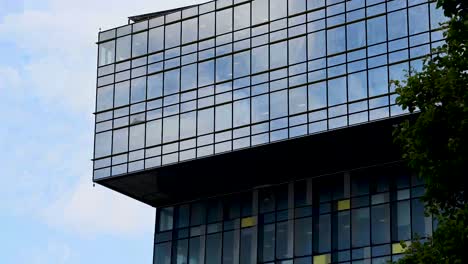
{"x": 90, "y": 211}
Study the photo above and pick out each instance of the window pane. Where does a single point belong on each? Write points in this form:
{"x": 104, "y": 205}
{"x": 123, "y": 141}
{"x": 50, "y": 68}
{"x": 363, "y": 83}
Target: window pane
{"x": 166, "y": 219}
{"x": 336, "y": 40}
{"x": 153, "y": 133}
{"x": 198, "y": 214}
{"x": 401, "y": 229}
{"x": 316, "y": 45}
{"x": 105, "y": 97}
{"x": 279, "y": 104}
{"x": 224, "y": 21}
{"x": 418, "y": 19}
{"x": 378, "y": 81}
{"x": 317, "y": 95}
{"x": 247, "y": 242}
{"x": 297, "y": 100}
{"x": 123, "y": 48}
{"x": 122, "y": 93}
{"x": 206, "y": 73}
{"x": 357, "y": 86}
{"x": 230, "y": 247}
{"x": 241, "y": 16}
{"x": 223, "y": 68}
{"x": 278, "y": 55}
{"x": 171, "y": 82}
{"x": 356, "y": 35}
{"x": 260, "y": 108}
{"x": 120, "y": 141}
{"x": 155, "y": 85}
{"x": 223, "y": 117}
{"x": 207, "y": 26}
{"x": 337, "y": 91}
{"x": 282, "y": 240}
{"x": 137, "y": 137}
{"x": 267, "y": 243}
{"x": 397, "y": 26}
{"x": 138, "y": 92}
{"x": 156, "y": 39}
{"x": 139, "y": 45}
{"x": 241, "y": 112}
{"x": 162, "y": 253}
{"x": 242, "y": 64}
{"x": 102, "y": 144}
{"x": 189, "y": 30}
{"x": 195, "y": 252}
{"x": 172, "y": 38}
{"x": 422, "y": 225}
{"x": 189, "y": 77}
{"x": 259, "y": 11}
{"x": 188, "y": 122}
{"x": 297, "y": 50}
{"x": 360, "y": 227}
{"x": 171, "y": 128}
{"x": 303, "y": 236}
{"x": 341, "y": 230}
{"x": 181, "y": 249}
{"x": 205, "y": 121}
{"x": 381, "y": 224}
{"x": 278, "y": 9}
{"x": 296, "y": 6}
{"x": 260, "y": 59}
{"x": 376, "y": 30}
{"x": 106, "y": 52}
{"x": 322, "y": 234}
{"x": 213, "y": 249}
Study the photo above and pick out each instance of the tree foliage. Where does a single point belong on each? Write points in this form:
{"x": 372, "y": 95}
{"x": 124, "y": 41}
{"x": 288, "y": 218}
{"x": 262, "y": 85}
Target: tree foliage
{"x": 435, "y": 142}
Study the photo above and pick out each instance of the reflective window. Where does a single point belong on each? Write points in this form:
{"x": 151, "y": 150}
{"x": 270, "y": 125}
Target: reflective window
{"x": 267, "y": 243}
{"x": 278, "y": 104}
{"x": 337, "y": 91}
{"x": 303, "y": 236}
{"x": 296, "y": 6}
{"x": 205, "y": 121}
{"x": 336, "y": 40}
{"x": 342, "y": 230}
{"x": 242, "y": 64}
{"x": 378, "y": 81}
{"x": 241, "y": 16}
{"x": 259, "y": 11}
{"x": 223, "y": 117}
{"x": 322, "y": 234}
{"x": 297, "y": 100}
{"x": 376, "y": 30}
{"x": 105, "y": 98}
{"x": 213, "y": 248}
{"x": 195, "y": 252}
{"x": 139, "y": 45}
{"x": 181, "y": 251}
{"x": 123, "y": 48}
{"x": 122, "y": 93}
{"x": 316, "y": 45}
{"x": 278, "y": 9}
{"x": 172, "y": 37}
{"x": 282, "y": 240}
{"x": 241, "y": 112}
{"x": 156, "y": 39}
{"x": 422, "y": 225}
{"x": 357, "y": 85}
{"x": 260, "y": 59}
{"x": 230, "y": 248}
{"x": 162, "y": 253}
{"x": 205, "y": 73}
{"x": 224, "y": 21}
{"x": 207, "y": 26}
{"x": 153, "y": 133}
{"x": 189, "y": 30}
{"x": 166, "y": 219}
{"x": 356, "y": 35}
{"x": 260, "y": 107}
{"x": 360, "y": 222}
{"x": 188, "y": 122}
{"x": 380, "y": 224}
{"x": 106, "y": 53}
{"x": 120, "y": 141}
{"x": 401, "y": 221}
{"x": 102, "y": 144}
{"x": 138, "y": 91}
{"x": 189, "y": 77}
{"x": 418, "y": 19}
{"x": 247, "y": 244}
{"x": 170, "y": 128}
{"x": 397, "y": 26}
{"x": 137, "y": 137}
{"x": 171, "y": 82}
{"x": 278, "y": 56}
{"x": 317, "y": 95}
{"x": 223, "y": 68}
{"x": 155, "y": 85}
{"x": 297, "y": 50}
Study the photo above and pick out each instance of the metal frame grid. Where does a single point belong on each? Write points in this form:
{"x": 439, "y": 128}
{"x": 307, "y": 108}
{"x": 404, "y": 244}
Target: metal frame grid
{"x": 347, "y": 192}
{"x": 312, "y": 120}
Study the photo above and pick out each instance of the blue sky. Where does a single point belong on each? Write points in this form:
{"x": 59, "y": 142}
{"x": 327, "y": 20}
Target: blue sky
{"x": 49, "y": 210}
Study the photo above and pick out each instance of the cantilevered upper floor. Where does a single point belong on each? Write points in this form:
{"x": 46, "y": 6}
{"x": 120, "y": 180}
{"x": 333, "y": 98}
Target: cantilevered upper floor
{"x": 229, "y": 94}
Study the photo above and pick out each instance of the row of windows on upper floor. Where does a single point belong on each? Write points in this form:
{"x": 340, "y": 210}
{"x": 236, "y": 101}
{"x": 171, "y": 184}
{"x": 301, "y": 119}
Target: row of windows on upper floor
{"x": 414, "y": 20}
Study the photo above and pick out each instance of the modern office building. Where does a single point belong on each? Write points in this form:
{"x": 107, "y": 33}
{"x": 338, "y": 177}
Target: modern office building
{"x": 262, "y": 130}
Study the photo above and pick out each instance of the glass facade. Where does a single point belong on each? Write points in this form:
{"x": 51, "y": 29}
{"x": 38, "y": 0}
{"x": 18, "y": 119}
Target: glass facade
{"x": 228, "y": 75}
{"x": 352, "y": 217}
